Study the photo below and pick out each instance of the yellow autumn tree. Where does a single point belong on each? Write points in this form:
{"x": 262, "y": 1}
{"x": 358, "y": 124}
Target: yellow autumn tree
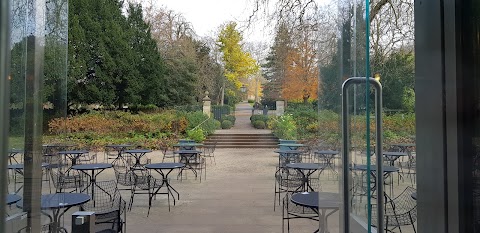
{"x": 301, "y": 73}
{"x": 238, "y": 63}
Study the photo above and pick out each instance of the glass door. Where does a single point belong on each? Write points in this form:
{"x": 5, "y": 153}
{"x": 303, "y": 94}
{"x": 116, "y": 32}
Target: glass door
{"x": 374, "y": 68}
{"x": 361, "y": 121}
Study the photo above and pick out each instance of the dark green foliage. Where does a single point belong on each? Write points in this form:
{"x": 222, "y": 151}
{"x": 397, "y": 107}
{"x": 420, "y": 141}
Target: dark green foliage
{"x": 218, "y": 124}
{"x": 398, "y": 81}
{"x": 147, "y": 60}
{"x": 331, "y": 86}
{"x": 232, "y": 98}
{"x": 226, "y": 124}
{"x": 200, "y": 120}
{"x": 270, "y": 103}
{"x": 189, "y": 108}
{"x": 254, "y": 118}
{"x": 259, "y": 124}
{"x": 229, "y": 118}
{"x": 149, "y": 108}
{"x": 306, "y": 117}
{"x": 113, "y": 59}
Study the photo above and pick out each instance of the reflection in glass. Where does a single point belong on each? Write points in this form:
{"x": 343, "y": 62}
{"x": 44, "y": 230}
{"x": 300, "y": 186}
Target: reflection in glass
{"x": 38, "y": 73}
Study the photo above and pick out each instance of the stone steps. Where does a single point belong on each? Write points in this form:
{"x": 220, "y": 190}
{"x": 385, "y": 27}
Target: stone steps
{"x": 243, "y": 141}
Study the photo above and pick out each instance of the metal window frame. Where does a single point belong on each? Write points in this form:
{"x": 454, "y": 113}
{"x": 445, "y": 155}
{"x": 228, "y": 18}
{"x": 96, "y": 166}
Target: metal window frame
{"x": 440, "y": 136}
{"x": 4, "y": 100}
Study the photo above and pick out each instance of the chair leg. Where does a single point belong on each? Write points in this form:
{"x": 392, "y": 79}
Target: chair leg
{"x": 283, "y": 217}
{"x": 275, "y": 196}
{"x": 411, "y": 221}
{"x": 132, "y": 194}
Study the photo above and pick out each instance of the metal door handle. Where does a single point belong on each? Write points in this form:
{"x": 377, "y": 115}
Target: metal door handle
{"x": 345, "y": 151}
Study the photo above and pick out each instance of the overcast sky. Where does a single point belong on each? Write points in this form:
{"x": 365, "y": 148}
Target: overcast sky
{"x": 207, "y": 15}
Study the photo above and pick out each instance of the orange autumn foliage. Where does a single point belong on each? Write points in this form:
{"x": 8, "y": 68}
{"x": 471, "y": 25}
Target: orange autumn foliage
{"x": 301, "y": 74}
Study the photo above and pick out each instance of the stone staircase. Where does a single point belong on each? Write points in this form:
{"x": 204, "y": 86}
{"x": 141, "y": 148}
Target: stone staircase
{"x": 243, "y": 140}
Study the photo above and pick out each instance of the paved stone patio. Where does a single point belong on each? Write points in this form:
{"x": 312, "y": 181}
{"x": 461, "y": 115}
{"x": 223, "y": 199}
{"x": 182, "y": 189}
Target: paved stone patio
{"x": 237, "y": 195}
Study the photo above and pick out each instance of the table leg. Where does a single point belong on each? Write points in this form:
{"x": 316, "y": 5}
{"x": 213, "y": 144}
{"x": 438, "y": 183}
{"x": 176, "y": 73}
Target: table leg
{"x": 326, "y": 219}
{"x": 119, "y": 156}
{"x": 151, "y": 195}
{"x": 307, "y": 177}
{"x": 187, "y": 158}
{"x": 55, "y": 220}
{"x": 168, "y": 186}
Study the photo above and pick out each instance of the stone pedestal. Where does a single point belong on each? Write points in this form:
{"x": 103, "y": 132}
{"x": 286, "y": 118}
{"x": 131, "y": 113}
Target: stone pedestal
{"x": 207, "y": 105}
{"x": 280, "y": 107}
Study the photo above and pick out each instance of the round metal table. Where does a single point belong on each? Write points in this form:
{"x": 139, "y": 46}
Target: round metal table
{"x": 323, "y": 201}
{"x": 159, "y": 168}
{"x": 94, "y": 168}
{"x": 138, "y": 154}
{"x": 58, "y": 202}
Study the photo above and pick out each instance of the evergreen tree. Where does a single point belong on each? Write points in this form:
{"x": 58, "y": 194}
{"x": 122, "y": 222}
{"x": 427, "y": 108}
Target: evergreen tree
{"x": 147, "y": 60}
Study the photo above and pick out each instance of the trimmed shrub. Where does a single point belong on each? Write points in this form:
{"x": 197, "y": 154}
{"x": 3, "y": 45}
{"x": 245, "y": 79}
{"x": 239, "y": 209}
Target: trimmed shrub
{"x": 218, "y": 124}
{"x": 251, "y": 101}
{"x": 259, "y": 124}
{"x": 226, "y": 124}
{"x": 230, "y": 118}
{"x": 254, "y": 118}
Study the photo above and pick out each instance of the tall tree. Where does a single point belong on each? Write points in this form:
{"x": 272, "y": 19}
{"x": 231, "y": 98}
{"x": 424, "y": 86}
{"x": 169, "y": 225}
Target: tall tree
{"x": 147, "y": 59}
{"x": 188, "y": 61}
{"x": 108, "y": 71}
{"x": 301, "y": 74}
{"x": 238, "y": 63}
{"x": 275, "y": 66}
{"x": 113, "y": 59}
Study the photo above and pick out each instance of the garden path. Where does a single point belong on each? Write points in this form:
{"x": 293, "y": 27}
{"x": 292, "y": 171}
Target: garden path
{"x": 243, "y": 111}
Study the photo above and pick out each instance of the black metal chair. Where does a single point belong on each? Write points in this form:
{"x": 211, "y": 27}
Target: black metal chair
{"x": 110, "y": 154}
{"x": 294, "y": 211}
{"x": 144, "y": 183}
{"x": 409, "y": 168}
{"x": 125, "y": 178}
{"x": 209, "y": 152}
{"x": 400, "y": 211}
{"x": 90, "y": 157}
{"x": 61, "y": 181}
{"x": 286, "y": 180}
{"x": 108, "y": 205}
{"x": 197, "y": 163}
{"x": 168, "y": 153}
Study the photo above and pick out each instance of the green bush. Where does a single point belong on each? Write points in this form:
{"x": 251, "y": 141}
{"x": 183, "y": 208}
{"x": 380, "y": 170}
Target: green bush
{"x": 259, "y": 124}
{"x": 251, "y": 101}
{"x": 263, "y": 118}
{"x": 218, "y": 124}
{"x": 226, "y": 124}
{"x": 201, "y": 120}
{"x": 230, "y": 118}
{"x": 189, "y": 108}
{"x": 196, "y": 134}
{"x": 149, "y": 108}
{"x": 284, "y": 127}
